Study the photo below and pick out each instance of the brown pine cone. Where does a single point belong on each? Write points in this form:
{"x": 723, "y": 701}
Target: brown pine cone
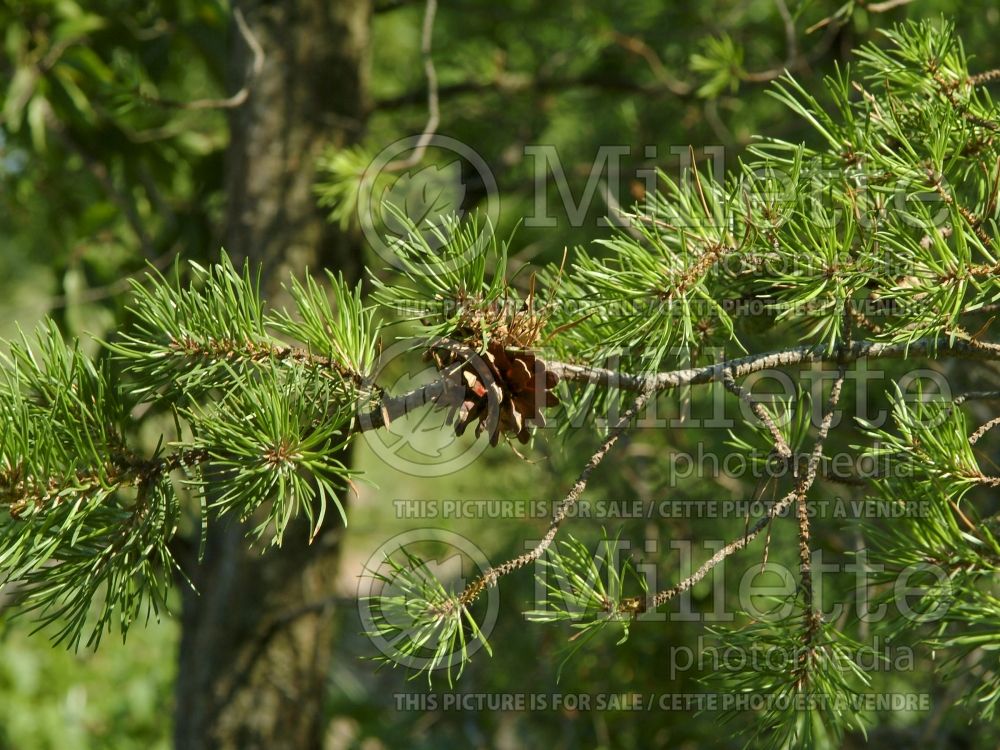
{"x": 501, "y": 392}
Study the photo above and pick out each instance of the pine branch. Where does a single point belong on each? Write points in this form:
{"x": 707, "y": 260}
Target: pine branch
{"x": 813, "y": 618}
{"x": 494, "y": 574}
{"x": 24, "y": 494}
{"x": 976, "y": 436}
{"x": 780, "y": 445}
{"x": 228, "y": 350}
{"x": 394, "y": 407}
{"x": 801, "y": 488}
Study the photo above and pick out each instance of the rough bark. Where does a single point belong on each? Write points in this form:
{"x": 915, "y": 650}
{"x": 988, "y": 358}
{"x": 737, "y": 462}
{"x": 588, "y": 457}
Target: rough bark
{"x": 256, "y": 639}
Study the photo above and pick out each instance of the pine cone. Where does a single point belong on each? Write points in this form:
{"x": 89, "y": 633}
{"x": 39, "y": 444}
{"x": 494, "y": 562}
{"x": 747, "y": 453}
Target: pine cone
{"x": 502, "y": 393}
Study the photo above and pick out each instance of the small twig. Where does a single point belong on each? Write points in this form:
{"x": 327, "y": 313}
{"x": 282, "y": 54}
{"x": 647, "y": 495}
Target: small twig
{"x": 947, "y": 90}
{"x": 775, "y": 510}
{"x": 433, "y": 104}
{"x": 964, "y": 518}
{"x": 885, "y": 6}
{"x": 974, "y": 221}
{"x": 840, "y": 18}
{"x": 971, "y": 396}
{"x": 975, "y": 436}
{"x": 985, "y": 77}
{"x": 99, "y": 170}
{"x": 767, "y": 539}
{"x": 796, "y": 60}
{"x": 491, "y": 576}
{"x": 975, "y": 396}
{"x": 119, "y": 286}
{"x": 240, "y": 97}
{"x": 391, "y": 5}
{"x": 638, "y": 47}
{"x": 791, "y": 36}
{"x": 511, "y": 84}
{"x": 780, "y": 444}
{"x": 622, "y": 219}
{"x": 813, "y": 618}
{"x": 736, "y": 545}
{"x": 792, "y": 58}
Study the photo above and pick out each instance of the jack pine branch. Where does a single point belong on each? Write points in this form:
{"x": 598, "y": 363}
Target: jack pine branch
{"x": 280, "y": 419}
{"x": 780, "y": 444}
{"x": 976, "y": 436}
{"x": 494, "y": 574}
{"x": 228, "y": 350}
{"x": 395, "y": 406}
{"x": 25, "y": 494}
{"x": 812, "y": 616}
{"x": 802, "y": 487}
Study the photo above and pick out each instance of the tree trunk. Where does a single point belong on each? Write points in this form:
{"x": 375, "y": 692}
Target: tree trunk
{"x": 257, "y": 637}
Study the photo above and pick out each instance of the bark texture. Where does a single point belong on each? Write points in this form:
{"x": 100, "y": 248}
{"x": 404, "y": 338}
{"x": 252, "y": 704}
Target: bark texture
{"x": 256, "y": 639}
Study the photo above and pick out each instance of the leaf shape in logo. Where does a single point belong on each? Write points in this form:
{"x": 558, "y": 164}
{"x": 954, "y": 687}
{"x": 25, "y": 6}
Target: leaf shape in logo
{"x": 425, "y": 196}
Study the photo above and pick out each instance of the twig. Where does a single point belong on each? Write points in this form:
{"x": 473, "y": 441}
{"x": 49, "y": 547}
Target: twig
{"x": 736, "y": 545}
{"x": 796, "y": 60}
{"x": 638, "y": 47}
{"x": 491, "y": 576}
{"x": 397, "y": 406}
{"x": 240, "y": 97}
{"x": 947, "y": 90}
{"x": 119, "y": 286}
{"x": 433, "y": 105}
{"x": 780, "y": 445}
{"x": 791, "y": 37}
{"x": 981, "y": 79}
{"x": 840, "y": 18}
{"x": 975, "y": 436}
{"x": 974, "y": 221}
{"x": 777, "y": 509}
{"x": 620, "y": 217}
{"x": 99, "y": 170}
{"x": 391, "y": 5}
{"x": 887, "y": 5}
{"x": 971, "y": 396}
{"x": 975, "y": 396}
{"x": 812, "y": 615}
{"x": 792, "y": 58}
{"x": 514, "y": 84}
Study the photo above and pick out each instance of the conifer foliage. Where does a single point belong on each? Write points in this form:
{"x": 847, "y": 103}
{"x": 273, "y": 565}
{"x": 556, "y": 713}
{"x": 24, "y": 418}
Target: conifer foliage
{"x": 877, "y": 241}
